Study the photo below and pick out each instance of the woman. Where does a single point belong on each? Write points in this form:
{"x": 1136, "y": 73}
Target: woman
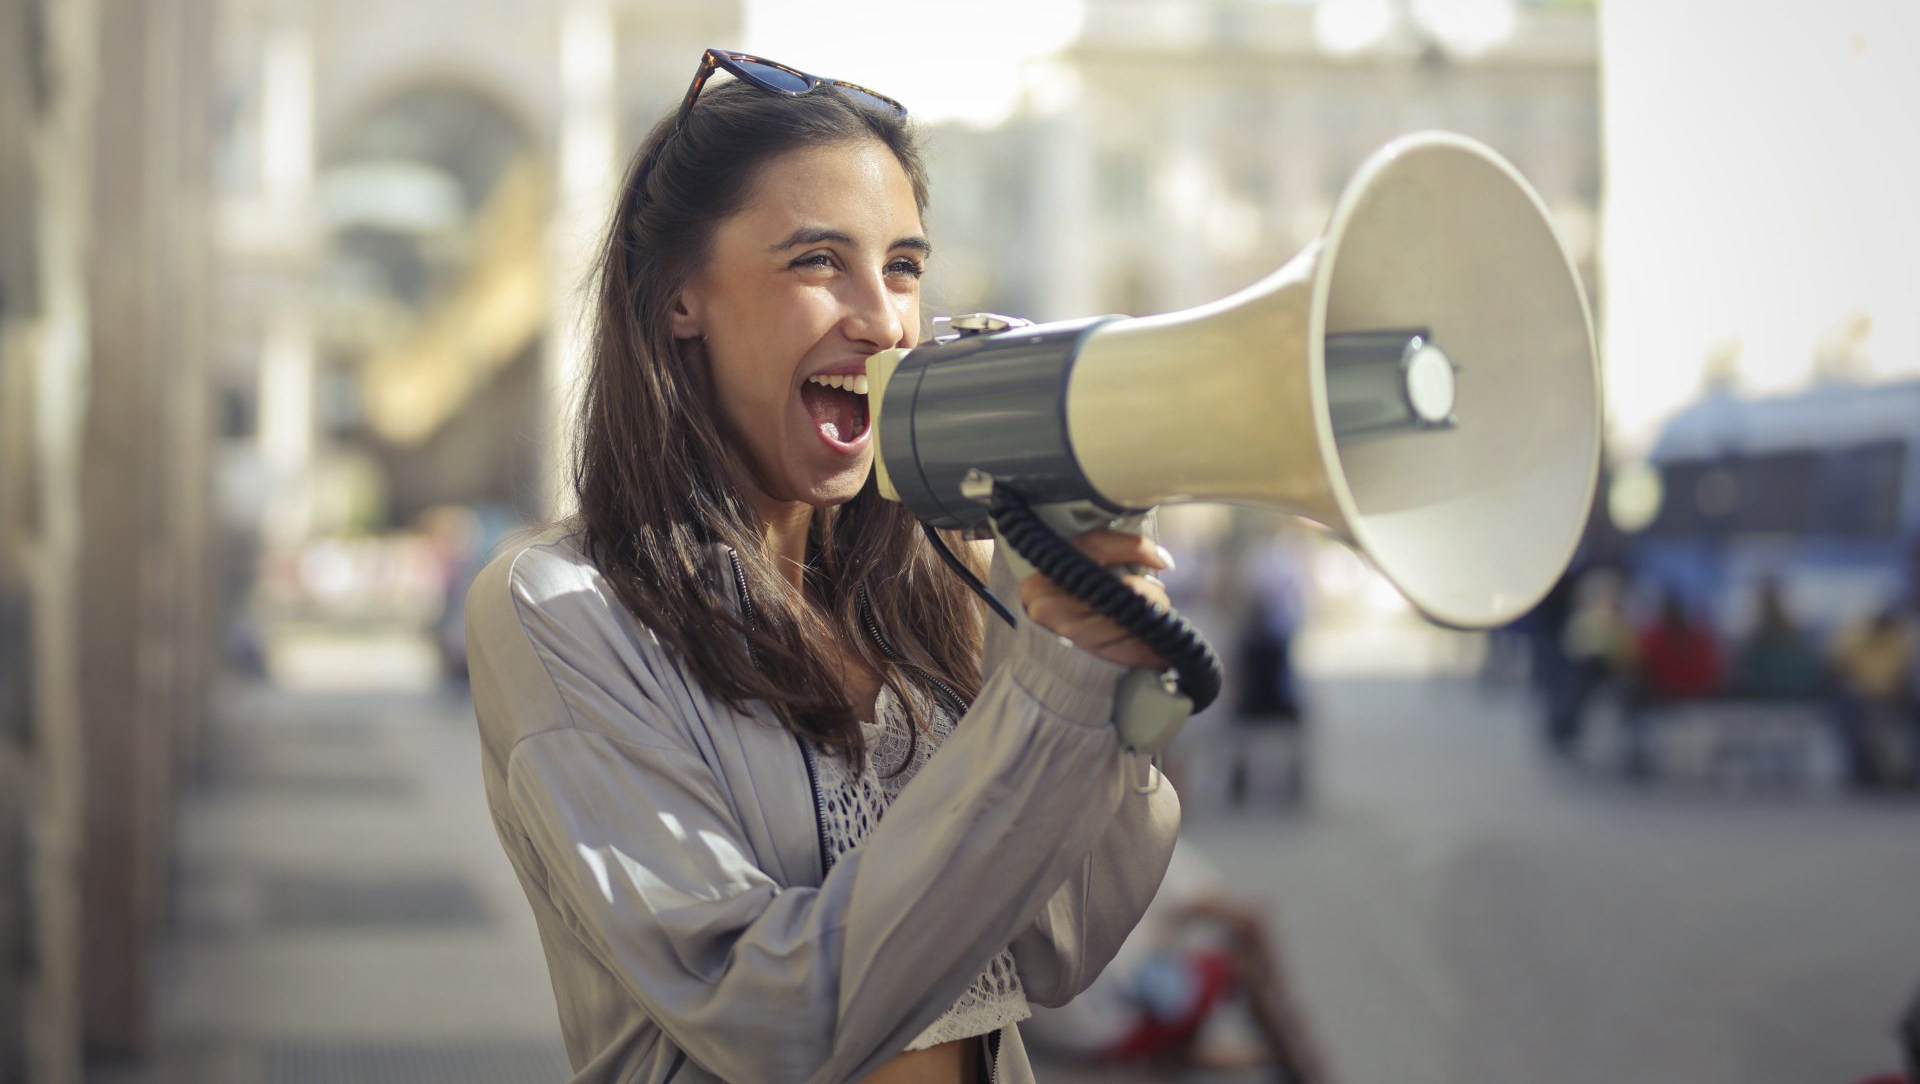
{"x": 698, "y": 698}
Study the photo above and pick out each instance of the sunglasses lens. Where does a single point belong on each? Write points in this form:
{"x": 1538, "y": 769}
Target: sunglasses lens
{"x": 773, "y": 78}
{"x": 870, "y": 101}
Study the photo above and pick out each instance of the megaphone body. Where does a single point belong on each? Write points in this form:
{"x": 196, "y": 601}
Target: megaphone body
{"x": 1421, "y": 381}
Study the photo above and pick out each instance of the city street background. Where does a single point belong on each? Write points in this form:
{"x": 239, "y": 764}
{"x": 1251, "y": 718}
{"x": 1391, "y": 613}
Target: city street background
{"x": 1454, "y": 905}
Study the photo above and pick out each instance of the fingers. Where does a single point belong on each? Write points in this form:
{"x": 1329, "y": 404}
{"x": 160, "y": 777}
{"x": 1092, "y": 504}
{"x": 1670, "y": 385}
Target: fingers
{"x": 1063, "y": 614}
{"x": 1038, "y": 591}
{"x": 1120, "y": 548}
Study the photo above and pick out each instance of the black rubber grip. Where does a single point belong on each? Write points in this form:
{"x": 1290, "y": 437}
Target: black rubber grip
{"x": 1161, "y": 628}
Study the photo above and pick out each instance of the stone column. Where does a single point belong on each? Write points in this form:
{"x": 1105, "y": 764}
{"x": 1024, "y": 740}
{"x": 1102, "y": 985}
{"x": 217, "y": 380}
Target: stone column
{"x": 142, "y": 494}
{"x": 588, "y": 161}
{"x": 48, "y": 57}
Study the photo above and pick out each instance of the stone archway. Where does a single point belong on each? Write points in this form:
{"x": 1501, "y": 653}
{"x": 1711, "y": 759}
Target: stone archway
{"x": 432, "y": 300}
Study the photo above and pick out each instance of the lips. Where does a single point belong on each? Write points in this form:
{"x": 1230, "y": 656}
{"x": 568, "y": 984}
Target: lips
{"x": 856, "y": 366}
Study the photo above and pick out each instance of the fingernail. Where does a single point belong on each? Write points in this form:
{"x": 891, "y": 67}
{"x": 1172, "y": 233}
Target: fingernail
{"x": 1166, "y": 559}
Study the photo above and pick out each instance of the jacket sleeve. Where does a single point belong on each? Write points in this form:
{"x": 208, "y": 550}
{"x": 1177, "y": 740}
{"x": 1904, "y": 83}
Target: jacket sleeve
{"x": 644, "y": 857}
{"x": 1081, "y": 927}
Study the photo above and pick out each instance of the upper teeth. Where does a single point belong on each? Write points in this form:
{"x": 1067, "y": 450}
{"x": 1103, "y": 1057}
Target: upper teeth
{"x": 854, "y": 384}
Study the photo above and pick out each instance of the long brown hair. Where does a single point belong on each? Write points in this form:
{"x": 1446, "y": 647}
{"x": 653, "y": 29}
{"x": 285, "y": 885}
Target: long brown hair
{"x": 655, "y": 474}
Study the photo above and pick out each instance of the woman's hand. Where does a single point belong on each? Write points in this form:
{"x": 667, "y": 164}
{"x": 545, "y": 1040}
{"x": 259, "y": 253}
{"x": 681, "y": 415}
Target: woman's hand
{"x": 1053, "y": 608}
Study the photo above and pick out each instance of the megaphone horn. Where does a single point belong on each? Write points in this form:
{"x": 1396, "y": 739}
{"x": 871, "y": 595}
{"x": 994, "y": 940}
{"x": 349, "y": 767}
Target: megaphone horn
{"x": 1421, "y": 380}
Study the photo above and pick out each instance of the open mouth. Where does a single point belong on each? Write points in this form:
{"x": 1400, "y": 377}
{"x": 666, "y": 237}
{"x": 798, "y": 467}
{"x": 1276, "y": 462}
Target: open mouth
{"x": 837, "y": 405}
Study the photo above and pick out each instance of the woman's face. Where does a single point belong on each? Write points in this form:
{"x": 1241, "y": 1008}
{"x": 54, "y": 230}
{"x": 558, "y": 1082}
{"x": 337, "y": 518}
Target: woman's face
{"x": 818, "y": 271}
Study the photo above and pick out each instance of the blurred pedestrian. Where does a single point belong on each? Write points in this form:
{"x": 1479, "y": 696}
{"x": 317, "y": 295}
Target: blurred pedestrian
{"x": 1266, "y": 699}
{"x": 453, "y": 533}
{"x": 1908, "y": 1033}
{"x": 1872, "y": 669}
{"x": 1545, "y": 627}
{"x": 1777, "y": 659}
{"x": 1910, "y": 1037}
{"x": 1677, "y": 659}
{"x": 1197, "y": 953}
{"x": 1599, "y": 648}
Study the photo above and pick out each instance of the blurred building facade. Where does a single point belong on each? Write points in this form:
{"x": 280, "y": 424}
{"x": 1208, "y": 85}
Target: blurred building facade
{"x": 408, "y": 200}
{"x": 271, "y": 269}
{"x": 104, "y": 552}
{"x": 1177, "y": 152}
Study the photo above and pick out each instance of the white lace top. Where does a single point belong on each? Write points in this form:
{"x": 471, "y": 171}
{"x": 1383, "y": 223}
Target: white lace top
{"x": 855, "y": 803}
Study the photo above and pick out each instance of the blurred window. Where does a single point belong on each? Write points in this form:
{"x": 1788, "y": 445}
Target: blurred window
{"x": 1851, "y": 492}
{"x": 1859, "y": 491}
{"x": 1680, "y": 513}
{"x": 1773, "y": 493}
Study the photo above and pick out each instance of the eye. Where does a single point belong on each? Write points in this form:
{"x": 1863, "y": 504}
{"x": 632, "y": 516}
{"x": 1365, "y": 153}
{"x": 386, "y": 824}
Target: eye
{"x": 816, "y": 261}
{"x": 904, "y": 266}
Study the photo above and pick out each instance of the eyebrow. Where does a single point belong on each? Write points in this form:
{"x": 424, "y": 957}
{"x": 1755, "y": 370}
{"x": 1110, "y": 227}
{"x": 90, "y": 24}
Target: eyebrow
{"x": 814, "y": 235}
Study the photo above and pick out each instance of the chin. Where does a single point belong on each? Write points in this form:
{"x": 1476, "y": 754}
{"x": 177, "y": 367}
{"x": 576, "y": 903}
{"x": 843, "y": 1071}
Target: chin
{"x": 839, "y": 487}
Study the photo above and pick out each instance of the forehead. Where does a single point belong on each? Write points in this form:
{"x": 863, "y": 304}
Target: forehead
{"x": 857, "y": 188}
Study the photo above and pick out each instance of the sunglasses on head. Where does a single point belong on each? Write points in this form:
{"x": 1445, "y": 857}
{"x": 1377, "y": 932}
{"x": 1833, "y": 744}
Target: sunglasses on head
{"x": 773, "y": 76}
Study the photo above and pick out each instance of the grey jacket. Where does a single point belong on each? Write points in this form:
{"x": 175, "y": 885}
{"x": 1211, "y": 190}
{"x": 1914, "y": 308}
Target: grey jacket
{"x": 671, "y": 847}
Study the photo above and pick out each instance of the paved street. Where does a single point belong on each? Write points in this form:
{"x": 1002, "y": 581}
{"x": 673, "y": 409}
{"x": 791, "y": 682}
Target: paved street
{"x": 1457, "y": 910}
{"x": 1454, "y": 908}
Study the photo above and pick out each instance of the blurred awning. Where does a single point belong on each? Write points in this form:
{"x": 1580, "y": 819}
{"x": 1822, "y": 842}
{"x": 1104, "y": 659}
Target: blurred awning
{"x": 488, "y": 318}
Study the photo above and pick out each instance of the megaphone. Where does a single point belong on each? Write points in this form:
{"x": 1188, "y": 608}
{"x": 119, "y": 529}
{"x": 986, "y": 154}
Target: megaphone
{"x": 1421, "y": 381}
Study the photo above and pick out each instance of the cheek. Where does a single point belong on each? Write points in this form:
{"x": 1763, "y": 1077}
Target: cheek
{"x": 750, "y": 390}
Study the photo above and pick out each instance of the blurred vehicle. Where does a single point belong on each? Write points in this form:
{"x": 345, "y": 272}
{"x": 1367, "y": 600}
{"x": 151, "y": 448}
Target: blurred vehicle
{"x": 1819, "y": 491}
{"x": 1784, "y": 523}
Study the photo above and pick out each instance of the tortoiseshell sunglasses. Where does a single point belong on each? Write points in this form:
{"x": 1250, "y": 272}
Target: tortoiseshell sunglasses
{"x": 776, "y": 77}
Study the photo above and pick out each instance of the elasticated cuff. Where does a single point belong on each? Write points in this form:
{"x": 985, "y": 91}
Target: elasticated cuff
{"x": 1073, "y": 684}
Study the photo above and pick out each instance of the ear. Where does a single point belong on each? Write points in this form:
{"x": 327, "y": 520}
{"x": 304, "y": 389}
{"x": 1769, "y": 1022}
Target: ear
{"x": 686, "y": 316}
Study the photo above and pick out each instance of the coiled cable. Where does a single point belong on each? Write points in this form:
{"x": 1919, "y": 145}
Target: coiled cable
{"x": 1161, "y": 628}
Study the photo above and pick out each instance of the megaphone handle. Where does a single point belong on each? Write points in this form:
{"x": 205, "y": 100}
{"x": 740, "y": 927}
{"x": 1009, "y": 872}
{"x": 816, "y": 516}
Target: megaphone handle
{"x": 1148, "y": 709}
{"x": 1071, "y": 519}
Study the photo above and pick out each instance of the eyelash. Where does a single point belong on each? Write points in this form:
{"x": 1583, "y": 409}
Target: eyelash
{"x": 901, "y": 266}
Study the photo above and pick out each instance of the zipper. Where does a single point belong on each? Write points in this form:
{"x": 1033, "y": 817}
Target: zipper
{"x": 993, "y": 1056}
{"x": 955, "y": 703}
{"x": 746, "y": 600}
{"x": 806, "y": 751}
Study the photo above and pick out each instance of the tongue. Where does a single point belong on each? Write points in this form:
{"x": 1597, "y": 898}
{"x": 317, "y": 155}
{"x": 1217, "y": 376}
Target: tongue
{"x": 840, "y": 415}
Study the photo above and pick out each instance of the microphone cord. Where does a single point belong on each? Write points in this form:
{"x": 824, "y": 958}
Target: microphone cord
{"x": 966, "y": 574}
{"x": 1161, "y": 628}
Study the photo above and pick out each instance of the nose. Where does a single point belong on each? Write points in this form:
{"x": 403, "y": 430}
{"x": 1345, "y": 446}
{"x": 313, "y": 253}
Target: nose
{"x": 874, "y": 312}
